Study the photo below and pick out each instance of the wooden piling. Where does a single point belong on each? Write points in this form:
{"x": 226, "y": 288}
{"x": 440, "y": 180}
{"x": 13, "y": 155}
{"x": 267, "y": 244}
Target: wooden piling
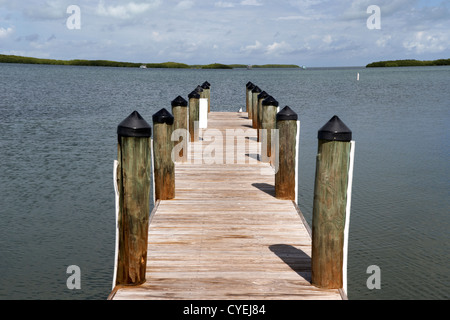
{"x": 206, "y": 86}
{"x": 268, "y": 123}
{"x": 263, "y": 95}
{"x": 164, "y": 167}
{"x": 250, "y": 88}
{"x": 255, "y": 92}
{"x": 181, "y": 126}
{"x": 247, "y": 92}
{"x": 133, "y": 183}
{"x": 330, "y": 202}
{"x": 194, "y": 105}
{"x": 285, "y": 176}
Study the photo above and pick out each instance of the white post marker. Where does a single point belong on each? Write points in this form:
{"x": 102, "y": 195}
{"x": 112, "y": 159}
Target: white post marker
{"x": 116, "y": 251}
{"x": 153, "y": 172}
{"x": 297, "y": 143}
{"x": 203, "y": 113}
{"x": 347, "y": 215}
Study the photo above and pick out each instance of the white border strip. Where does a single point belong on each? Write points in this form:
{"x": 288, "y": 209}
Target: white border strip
{"x": 347, "y": 215}
{"x": 153, "y": 171}
{"x": 297, "y": 142}
{"x": 116, "y": 193}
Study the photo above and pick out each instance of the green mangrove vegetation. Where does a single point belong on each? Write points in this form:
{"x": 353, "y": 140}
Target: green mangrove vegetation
{"x": 409, "y": 63}
{"x": 107, "y": 63}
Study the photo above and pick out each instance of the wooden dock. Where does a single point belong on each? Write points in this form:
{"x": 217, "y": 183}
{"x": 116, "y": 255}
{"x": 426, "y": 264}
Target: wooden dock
{"x": 225, "y": 236}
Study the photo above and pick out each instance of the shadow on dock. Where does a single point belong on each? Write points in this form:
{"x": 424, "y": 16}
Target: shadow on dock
{"x": 265, "y": 187}
{"x": 295, "y": 258}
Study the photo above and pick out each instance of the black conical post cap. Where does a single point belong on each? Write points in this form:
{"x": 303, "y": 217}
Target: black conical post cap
{"x": 335, "y": 130}
{"x": 249, "y": 84}
{"x": 270, "y": 101}
{"x": 205, "y": 85}
{"x": 199, "y": 89}
{"x": 287, "y": 114}
{"x": 163, "y": 116}
{"x": 256, "y": 89}
{"x": 263, "y": 95}
{"x": 194, "y": 95}
{"x": 179, "y": 102}
{"x": 134, "y": 126}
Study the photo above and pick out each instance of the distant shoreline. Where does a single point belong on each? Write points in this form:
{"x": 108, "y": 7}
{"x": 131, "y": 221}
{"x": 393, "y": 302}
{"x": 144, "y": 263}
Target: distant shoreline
{"x": 107, "y": 63}
{"x": 408, "y": 63}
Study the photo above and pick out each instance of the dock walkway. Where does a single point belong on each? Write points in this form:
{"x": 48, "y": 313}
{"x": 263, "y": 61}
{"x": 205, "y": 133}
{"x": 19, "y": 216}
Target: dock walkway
{"x": 225, "y": 236}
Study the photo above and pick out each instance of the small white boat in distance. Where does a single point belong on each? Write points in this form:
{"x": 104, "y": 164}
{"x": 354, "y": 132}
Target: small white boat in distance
{"x": 143, "y": 66}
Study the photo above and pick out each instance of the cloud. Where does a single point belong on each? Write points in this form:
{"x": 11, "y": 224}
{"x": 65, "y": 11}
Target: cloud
{"x": 224, "y": 4}
{"x": 47, "y": 10}
{"x": 425, "y": 42}
{"x": 125, "y": 11}
{"x": 4, "y": 33}
{"x": 253, "y": 48}
{"x": 383, "y": 41}
{"x": 251, "y": 3}
{"x": 185, "y": 4}
{"x": 278, "y": 48}
{"x": 327, "y": 39}
{"x": 32, "y": 37}
{"x": 292, "y": 18}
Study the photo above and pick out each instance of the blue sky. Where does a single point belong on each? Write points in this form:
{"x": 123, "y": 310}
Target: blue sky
{"x": 310, "y": 32}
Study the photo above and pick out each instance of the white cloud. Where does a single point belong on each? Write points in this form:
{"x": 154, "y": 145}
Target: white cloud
{"x": 252, "y": 48}
{"x": 383, "y": 41}
{"x": 185, "y": 4}
{"x": 224, "y": 4}
{"x": 125, "y": 11}
{"x": 292, "y": 18}
{"x": 424, "y": 42}
{"x": 277, "y": 48}
{"x": 327, "y": 39}
{"x": 251, "y": 3}
{"x": 4, "y": 33}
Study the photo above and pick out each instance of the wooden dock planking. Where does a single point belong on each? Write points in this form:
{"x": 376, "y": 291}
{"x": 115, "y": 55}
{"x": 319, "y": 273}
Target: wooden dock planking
{"x": 225, "y": 235}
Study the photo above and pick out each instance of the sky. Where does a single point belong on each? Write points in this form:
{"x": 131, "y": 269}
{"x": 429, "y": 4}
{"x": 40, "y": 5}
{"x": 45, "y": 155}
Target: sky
{"x": 313, "y": 33}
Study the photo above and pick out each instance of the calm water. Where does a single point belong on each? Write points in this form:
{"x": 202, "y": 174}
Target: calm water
{"x": 58, "y": 143}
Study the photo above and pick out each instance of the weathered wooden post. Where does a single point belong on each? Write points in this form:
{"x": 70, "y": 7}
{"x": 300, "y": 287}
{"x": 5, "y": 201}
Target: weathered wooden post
{"x": 255, "y": 92}
{"x": 133, "y": 186}
{"x": 180, "y": 114}
{"x": 247, "y": 92}
{"x": 194, "y": 105}
{"x": 164, "y": 167}
{"x": 207, "y": 91}
{"x": 263, "y": 95}
{"x": 330, "y": 204}
{"x": 250, "y": 88}
{"x": 286, "y": 173}
{"x": 268, "y": 123}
